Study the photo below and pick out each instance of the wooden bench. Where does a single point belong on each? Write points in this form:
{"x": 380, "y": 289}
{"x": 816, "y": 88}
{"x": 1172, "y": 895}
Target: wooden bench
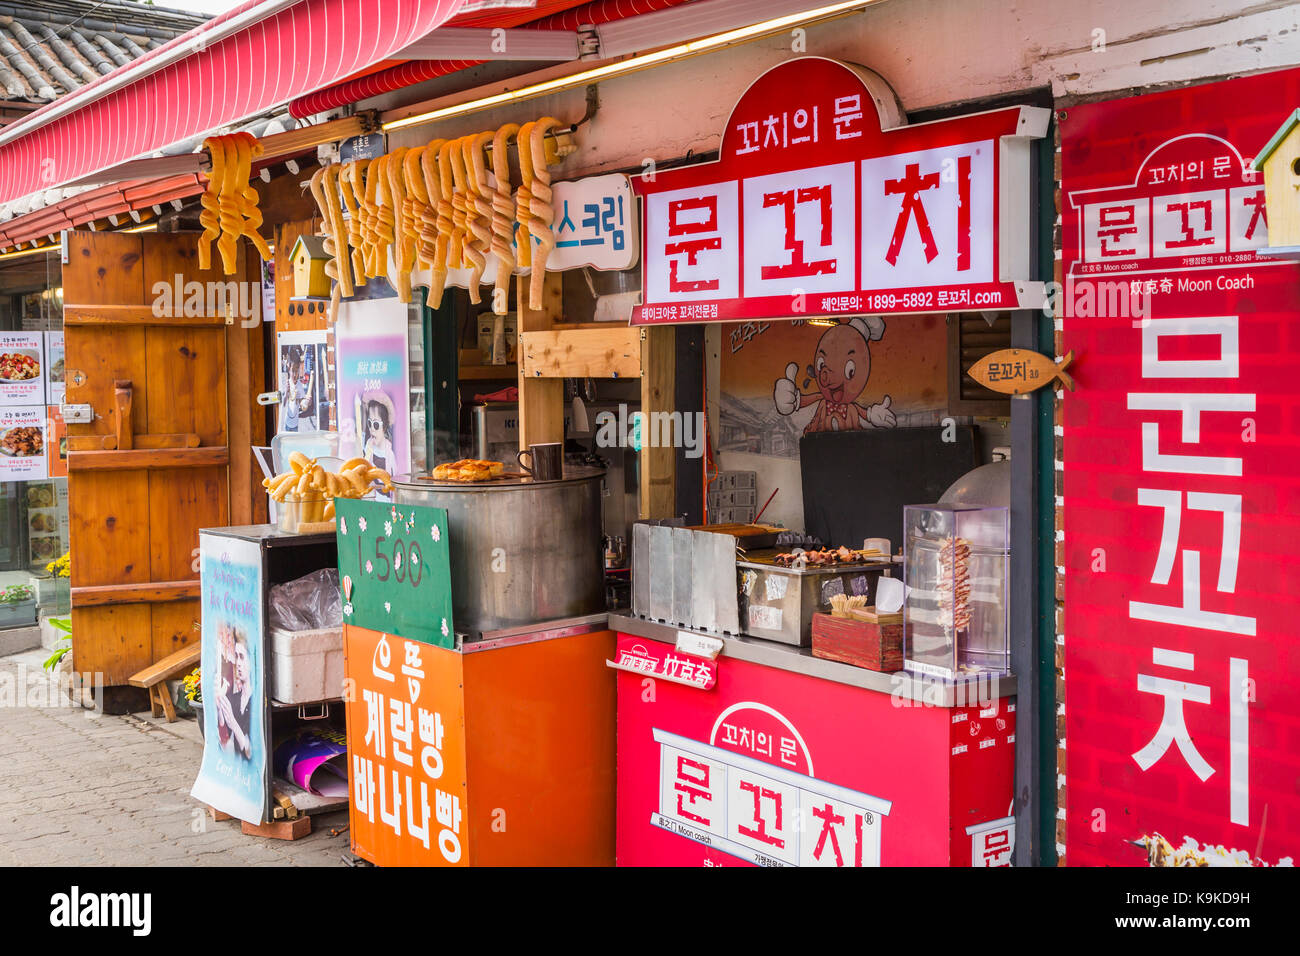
{"x": 153, "y": 678}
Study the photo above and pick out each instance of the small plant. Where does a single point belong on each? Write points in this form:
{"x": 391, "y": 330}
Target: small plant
{"x": 16, "y": 594}
{"x": 63, "y": 645}
{"x": 61, "y": 567}
{"x": 193, "y": 687}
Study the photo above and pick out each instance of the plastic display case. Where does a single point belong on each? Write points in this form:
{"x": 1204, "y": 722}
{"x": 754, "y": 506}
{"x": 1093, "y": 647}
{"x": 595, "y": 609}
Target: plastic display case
{"x": 955, "y": 619}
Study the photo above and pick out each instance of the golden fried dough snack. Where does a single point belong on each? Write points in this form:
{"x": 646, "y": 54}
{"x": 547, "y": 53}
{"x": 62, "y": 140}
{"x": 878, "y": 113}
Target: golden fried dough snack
{"x": 541, "y": 215}
{"x": 524, "y": 199}
{"x": 460, "y": 192}
{"x": 312, "y": 489}
{"x": 353, "y": 196}
{"x": 418, "y": 212}
{"x": 503, "y": 217}
{"x": 478, "y": 211}
{"x": 404, "y": 234}
{"x": 208, "y": 218}
{"x": 229, "y": 207}
{"x": 446, "y": 220}
{"x": 252, "y": 214}
{"x": 375, "y": 266}
{"x": 230, "y": 202}
{"x": 320, "y": 186}
{"x": 385, "y": 216}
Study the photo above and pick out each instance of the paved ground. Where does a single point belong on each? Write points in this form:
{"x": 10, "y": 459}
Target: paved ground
{"x": 78, "y": 789}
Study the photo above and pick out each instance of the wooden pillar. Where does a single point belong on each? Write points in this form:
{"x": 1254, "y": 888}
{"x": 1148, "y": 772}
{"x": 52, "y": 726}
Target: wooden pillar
{"x": 541, "y": 398}
{"x": 658, "y": 460}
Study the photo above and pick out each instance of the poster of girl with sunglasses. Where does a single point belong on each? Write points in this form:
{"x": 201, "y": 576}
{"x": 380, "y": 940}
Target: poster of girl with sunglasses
{"x": 373, "y": 384}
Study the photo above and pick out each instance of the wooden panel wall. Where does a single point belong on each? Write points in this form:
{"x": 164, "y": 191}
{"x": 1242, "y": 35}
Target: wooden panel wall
{"x": 135, "y": 515}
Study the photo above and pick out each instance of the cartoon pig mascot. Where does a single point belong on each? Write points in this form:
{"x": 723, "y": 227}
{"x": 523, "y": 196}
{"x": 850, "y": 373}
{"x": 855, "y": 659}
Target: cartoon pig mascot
{"x": 842, "y": 366}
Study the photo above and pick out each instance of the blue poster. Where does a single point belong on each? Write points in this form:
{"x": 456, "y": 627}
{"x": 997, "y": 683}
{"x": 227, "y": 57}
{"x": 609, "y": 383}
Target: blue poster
{"x": 233, "y": 775}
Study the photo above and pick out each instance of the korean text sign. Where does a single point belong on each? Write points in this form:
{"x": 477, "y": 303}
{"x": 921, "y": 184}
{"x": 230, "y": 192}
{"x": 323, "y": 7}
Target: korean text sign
{"x": 394, "y": 569}
{"x": 774, "y": 768}
{"x": 1182, "y": 480}
{"x": 406, "y": 751}
{"x": 816, "y": 205}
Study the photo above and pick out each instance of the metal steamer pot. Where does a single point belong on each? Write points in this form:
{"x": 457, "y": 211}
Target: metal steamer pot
{"x": 522, "y": 551}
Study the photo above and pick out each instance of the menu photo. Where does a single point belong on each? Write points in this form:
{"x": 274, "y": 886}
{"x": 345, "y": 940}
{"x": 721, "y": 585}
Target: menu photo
{"x": 22, "y": 443}
{"x": 22, "y": 368}
{"x": 54, "y": 367}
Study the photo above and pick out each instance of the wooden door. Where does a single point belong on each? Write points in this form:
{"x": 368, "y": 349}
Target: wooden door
{"x": 155, "y": 465}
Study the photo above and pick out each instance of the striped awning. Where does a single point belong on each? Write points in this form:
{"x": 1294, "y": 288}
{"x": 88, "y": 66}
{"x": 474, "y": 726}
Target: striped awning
{"x": 257, "y": 56}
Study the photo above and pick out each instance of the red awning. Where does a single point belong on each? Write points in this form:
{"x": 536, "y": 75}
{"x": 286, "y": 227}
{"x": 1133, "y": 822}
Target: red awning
{"x": 242, "y": 63}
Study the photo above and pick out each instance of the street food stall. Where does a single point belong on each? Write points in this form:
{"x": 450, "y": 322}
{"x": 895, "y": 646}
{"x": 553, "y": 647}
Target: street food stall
{"x": 571, "y": 607}
{"x": 844, "y": 697}
{"x": 704, "y": 720}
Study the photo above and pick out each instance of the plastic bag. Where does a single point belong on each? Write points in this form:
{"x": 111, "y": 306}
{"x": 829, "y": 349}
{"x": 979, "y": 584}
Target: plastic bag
{"x": 308, "y": 603}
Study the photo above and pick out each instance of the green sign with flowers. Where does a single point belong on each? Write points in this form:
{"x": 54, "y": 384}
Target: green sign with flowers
{"x": 394, "y": 569}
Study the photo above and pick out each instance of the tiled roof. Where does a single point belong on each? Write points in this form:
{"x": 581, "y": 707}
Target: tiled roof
{"x": 53, "y": 47}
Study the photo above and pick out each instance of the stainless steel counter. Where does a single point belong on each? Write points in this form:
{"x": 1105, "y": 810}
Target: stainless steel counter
{"x": 915, "y": 689}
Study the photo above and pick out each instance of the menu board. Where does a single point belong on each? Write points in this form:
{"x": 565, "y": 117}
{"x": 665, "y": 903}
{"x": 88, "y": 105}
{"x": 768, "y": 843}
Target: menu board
{"x": 394, "y": 569}
{"x": 47, "y": 522}
{"x": 22, "y": 368}
{"x": 22, "y": 443}
{"x": 54, "y": 388}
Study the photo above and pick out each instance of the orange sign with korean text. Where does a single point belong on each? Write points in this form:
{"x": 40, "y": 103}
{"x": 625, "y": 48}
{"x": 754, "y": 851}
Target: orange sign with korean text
{"x": 1019, "y": 371}
{"x": 406, "y": 751}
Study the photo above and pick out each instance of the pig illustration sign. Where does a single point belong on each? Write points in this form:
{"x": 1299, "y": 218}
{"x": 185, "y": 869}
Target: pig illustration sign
{"x": 824, "y": 203}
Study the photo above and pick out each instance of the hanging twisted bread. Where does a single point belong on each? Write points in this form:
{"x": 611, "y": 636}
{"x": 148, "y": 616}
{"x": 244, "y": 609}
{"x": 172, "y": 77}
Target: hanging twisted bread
{"x": 541, "y": 215}
{"x": 417, "y": 210}
{"x": 459, "y": 194}
{"x": 229, "y": 202}
{"x": 446, "y": 220}
{"x": 336, "y": 242}
{"x": 439, "y": 228}
{"x": 324, "y": 189}
{"x": 503, "y": 217}
{"x": 318, "y": 188}
{"x": 524, "y": 198}
{"x": 478, "y": 211}
{"x": 352, "y": 202}
{"x": 210, "y": 200}
{"x": 371, "y": 221}
{"x": 252, "y": 214}
{"x": 385, "y": 218}
{"x": 403, "y": 228}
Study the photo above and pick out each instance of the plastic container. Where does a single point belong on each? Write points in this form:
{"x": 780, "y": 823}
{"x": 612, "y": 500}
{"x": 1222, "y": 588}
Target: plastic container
{"x": 306, "y": 666}
{"x": 298, "y": 509}
{"x": 955, "y": 568}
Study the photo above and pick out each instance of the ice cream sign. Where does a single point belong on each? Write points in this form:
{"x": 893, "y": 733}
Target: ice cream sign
{"x": 825, "y": 202}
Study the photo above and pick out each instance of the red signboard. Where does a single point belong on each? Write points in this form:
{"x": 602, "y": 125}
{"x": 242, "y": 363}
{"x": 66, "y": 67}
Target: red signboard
{"x": 1182, "y": 481}
{"x": 822, "y": 203}
{"x": 652, "y": 659}
{"x": 773, "y": 768}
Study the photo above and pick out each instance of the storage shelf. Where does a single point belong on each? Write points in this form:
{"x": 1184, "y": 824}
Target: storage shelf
{"x": 481, "y": 372}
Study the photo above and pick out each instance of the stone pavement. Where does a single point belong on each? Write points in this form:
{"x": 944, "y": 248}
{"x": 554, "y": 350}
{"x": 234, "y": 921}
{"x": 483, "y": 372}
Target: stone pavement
{"x": 80, "y": 789}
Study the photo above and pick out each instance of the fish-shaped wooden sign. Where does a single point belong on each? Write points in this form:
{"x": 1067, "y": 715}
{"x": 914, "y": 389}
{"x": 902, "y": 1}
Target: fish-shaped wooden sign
{"x": 1020, "y": 371}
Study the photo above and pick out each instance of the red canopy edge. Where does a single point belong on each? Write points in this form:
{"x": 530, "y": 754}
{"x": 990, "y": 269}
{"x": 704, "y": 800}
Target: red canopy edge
{"x": 302, "y": 47}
